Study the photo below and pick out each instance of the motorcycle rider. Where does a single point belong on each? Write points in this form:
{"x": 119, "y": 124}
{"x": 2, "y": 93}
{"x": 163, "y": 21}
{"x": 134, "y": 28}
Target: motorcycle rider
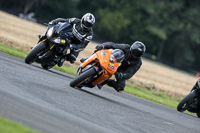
{"x": 197, "y": 87}
{"x": 130, "y": 65}
{"x": 197, "y": 84}
{"x": 83, "y": 34}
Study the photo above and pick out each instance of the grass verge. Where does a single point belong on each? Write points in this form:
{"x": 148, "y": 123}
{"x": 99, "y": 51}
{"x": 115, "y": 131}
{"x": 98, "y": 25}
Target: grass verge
{"x": 7, "y": 126}
{"x": 21, "y": 54}
{"x": 153, "y": 95}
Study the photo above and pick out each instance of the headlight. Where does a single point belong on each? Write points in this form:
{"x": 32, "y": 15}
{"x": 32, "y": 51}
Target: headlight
{"x": 50, "y": 32}
{"x": 59, "y": 41}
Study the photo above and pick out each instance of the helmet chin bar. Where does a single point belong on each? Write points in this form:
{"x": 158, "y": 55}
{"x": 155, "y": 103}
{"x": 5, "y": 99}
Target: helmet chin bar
{"x": 133, "y": 56}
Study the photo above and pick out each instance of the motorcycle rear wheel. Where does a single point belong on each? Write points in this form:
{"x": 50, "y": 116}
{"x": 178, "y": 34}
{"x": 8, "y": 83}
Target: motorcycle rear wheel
{"x": 190, "y": 96}
{"x": 82, "y": 77}
{"x": 31, "y": 57}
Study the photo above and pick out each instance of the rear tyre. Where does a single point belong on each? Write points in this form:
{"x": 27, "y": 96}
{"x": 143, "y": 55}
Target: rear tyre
{"x": 31, "y": 57}
{"x": 82, "y": 77}
{"x": 181, "y": 106}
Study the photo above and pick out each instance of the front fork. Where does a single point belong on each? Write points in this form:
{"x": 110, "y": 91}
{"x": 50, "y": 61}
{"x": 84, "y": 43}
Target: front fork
{"x": 80, "y": 69}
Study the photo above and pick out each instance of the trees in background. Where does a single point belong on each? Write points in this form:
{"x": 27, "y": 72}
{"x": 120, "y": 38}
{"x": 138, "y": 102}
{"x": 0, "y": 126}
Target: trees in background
{"x": 170, "y": 28}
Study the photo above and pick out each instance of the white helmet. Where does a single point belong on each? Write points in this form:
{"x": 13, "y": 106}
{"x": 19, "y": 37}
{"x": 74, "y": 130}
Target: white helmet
{"x": 87, "y": 21}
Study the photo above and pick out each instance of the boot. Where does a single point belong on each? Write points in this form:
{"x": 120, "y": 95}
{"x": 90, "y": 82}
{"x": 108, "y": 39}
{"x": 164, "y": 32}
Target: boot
{"x": 60, "y": 63}
{"x": 101, "y": 85}
{"x": 83, "y": 59}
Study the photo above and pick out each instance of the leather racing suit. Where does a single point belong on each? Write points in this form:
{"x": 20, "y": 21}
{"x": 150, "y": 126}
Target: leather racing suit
{"x": 81, "y": 37}
{"x": 128, "y": 68}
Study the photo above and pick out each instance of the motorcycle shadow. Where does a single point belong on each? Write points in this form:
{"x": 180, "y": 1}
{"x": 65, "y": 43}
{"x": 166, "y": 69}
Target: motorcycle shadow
{"x": 189, "y": 114}
{"x": 109, "y": 99}
{"x": 53, "y": 71}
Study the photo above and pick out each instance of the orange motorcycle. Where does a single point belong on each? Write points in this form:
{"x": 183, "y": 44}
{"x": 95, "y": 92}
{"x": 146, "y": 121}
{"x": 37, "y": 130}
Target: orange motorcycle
{"x": 98, "y": 68}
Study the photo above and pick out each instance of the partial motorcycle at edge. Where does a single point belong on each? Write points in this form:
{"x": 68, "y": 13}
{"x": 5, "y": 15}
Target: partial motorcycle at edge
{"x": 191, "y": 102}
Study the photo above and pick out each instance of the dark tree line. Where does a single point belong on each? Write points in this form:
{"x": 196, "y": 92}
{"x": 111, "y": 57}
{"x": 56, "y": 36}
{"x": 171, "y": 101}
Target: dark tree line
{"x": 169, "y": 28}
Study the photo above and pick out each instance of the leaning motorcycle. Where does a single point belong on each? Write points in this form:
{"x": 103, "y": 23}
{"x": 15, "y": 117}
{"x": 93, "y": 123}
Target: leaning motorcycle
{"x": 52, "y": 46}
{"x": 98, "y": 68}
{"x": 191, "y": 102}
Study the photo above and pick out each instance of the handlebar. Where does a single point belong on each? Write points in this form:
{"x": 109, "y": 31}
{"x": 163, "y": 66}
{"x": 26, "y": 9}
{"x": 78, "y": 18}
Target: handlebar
{"x": 46, "y": 24}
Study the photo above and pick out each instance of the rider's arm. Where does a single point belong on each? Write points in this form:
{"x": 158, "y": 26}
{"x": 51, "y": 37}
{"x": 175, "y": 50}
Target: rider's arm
{"x": 131, "y": 70}
{"x": 112, "y": 45}
{"x": 83, "y": 44}
{"x": 69, "y": 20}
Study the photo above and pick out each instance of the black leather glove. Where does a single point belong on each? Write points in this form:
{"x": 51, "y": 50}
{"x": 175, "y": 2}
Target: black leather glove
{"x": 52, "y": 22}
{"x": 118, "y": 75}
{"x": 73, "y": 47}
{"x": 99, "y": 47}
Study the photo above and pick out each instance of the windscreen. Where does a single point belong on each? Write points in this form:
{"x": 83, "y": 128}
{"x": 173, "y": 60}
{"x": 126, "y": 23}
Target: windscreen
{"x": 117, "y": 55}
{"x": 64, "y": 27}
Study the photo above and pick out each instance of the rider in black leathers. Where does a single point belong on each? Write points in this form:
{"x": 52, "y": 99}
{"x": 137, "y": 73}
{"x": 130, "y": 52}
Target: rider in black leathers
{"x": 197, "y": 84}
{"x": 130, "y": 65}
{"x": 82, "y": 31}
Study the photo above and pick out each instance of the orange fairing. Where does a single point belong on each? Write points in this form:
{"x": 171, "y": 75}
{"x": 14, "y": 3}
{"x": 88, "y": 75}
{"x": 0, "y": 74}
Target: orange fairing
{"x": 103, "y": 57}
{"x": 109, "y": 68}
{"x": 89, "y": 60}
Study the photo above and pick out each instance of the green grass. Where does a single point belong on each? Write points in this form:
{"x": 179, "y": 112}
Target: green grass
{"x": 7, "y": 126}
{"x": 152, "y": 95}
{"x": 13, "y": 51}
{"x": 66, "y": 69}
{"x": 21, "y": 54}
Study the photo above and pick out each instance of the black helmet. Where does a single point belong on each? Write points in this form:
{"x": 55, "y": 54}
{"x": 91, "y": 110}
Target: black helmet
{"x": 87, "y": 21}
{"x": 137, "y": 49}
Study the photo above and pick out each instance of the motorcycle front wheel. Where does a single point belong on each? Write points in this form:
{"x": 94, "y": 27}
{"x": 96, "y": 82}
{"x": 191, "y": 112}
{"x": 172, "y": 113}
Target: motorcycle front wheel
{"x": 182, "y": 105}
{"x": 31, "y": 57}
{"x": 82, "y": 77}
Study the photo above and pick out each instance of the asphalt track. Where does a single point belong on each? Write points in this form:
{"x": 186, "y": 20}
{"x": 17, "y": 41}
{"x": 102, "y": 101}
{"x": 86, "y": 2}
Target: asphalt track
{"x": 44, "y": 101}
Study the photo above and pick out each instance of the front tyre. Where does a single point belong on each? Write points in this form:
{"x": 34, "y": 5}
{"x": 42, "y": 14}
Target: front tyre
{"x": 31, "y": 57}
{"x": 82, "y": 77}
{"x": 182, "y": 105}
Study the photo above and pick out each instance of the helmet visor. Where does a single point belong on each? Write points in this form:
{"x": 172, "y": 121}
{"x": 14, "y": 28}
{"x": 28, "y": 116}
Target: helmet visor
{"x": 86, "y": 24}
{"x": 137, "y": 53}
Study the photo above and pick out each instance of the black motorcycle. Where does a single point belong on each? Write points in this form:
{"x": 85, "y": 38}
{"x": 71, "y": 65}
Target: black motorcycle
{"x": 191, "y": 102}
{"x": 52, "y": 46}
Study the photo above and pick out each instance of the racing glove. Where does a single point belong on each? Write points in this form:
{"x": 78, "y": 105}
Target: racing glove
{"x": 99, "y": 47}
